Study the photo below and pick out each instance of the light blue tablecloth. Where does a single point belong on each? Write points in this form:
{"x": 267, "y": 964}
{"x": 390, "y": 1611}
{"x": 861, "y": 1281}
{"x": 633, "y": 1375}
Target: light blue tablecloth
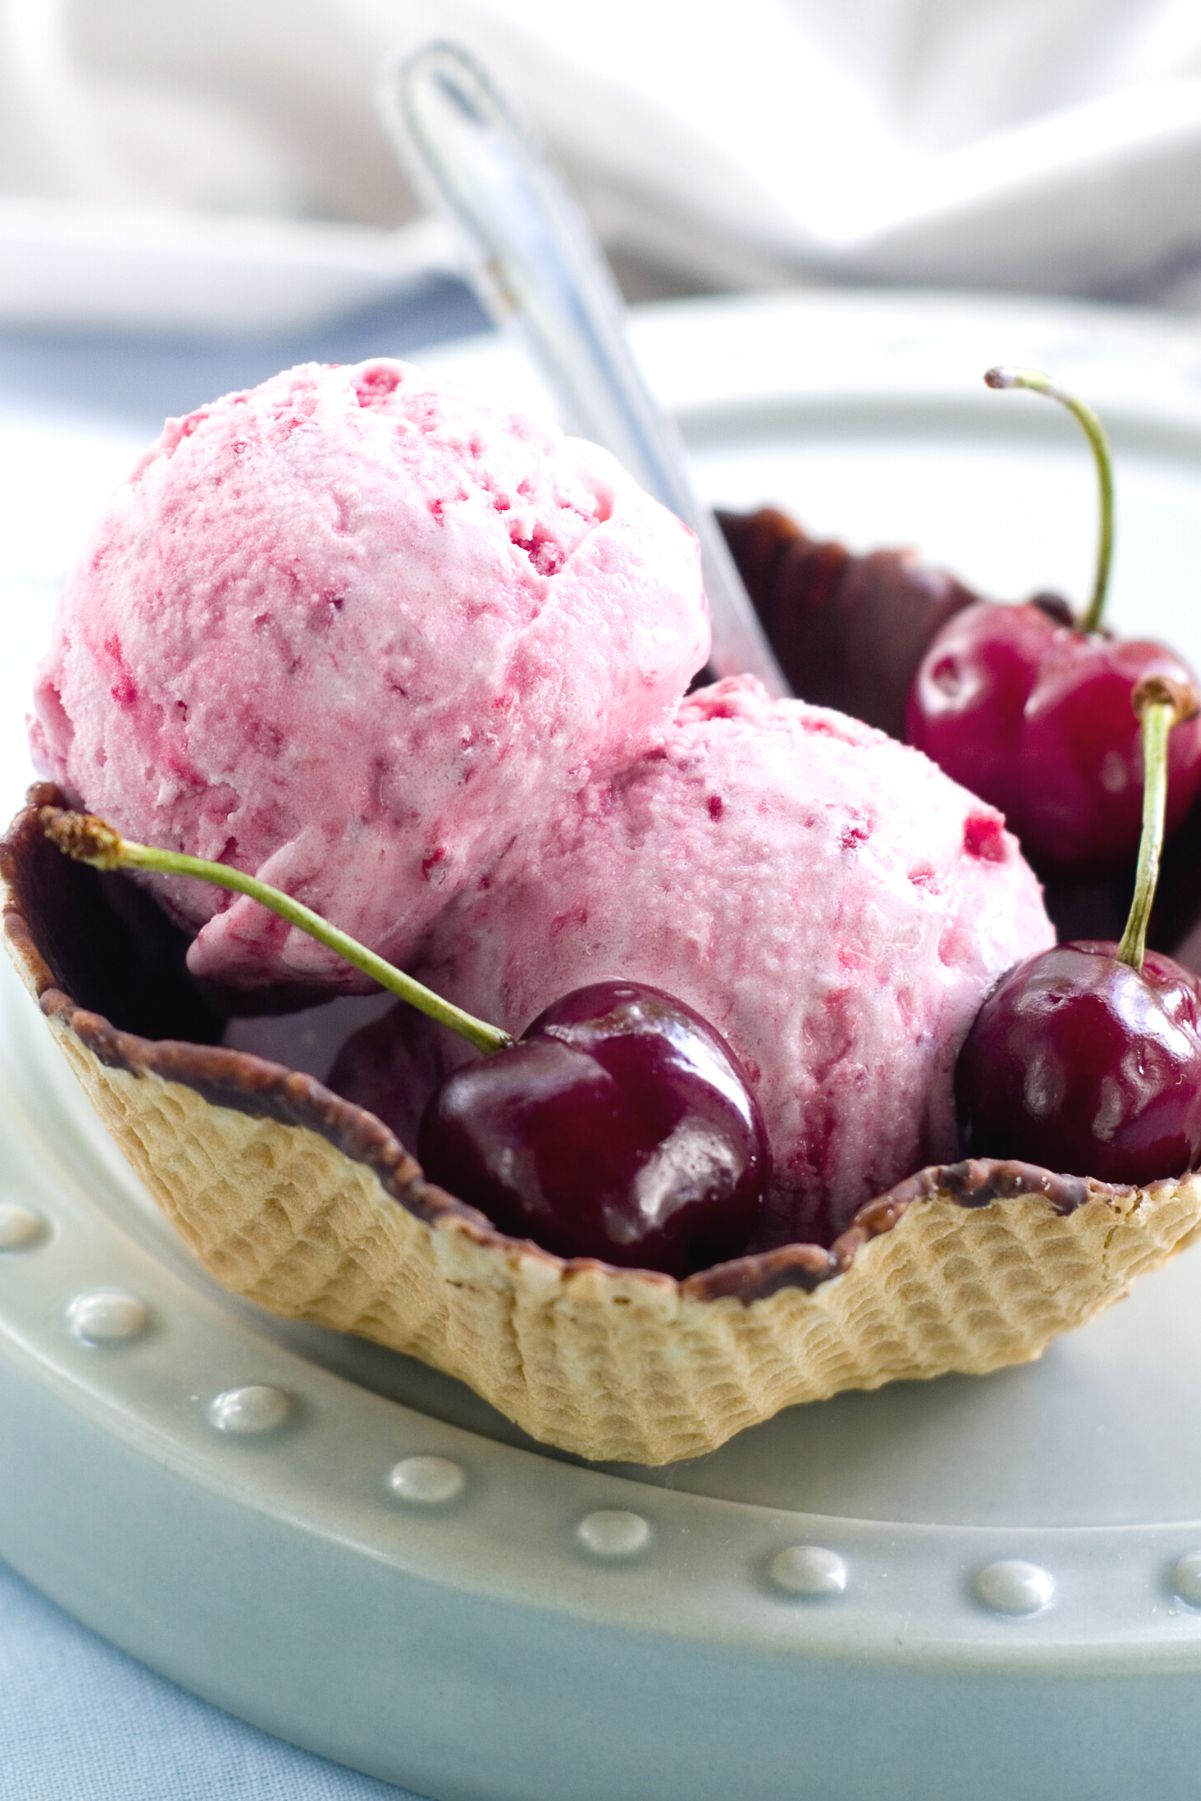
{"x": 80, "y": 1721}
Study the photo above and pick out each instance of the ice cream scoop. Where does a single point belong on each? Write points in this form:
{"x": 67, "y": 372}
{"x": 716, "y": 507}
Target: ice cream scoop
{"x": 536, "y": 266}
{"x": 351, "y": 630}
{"x": 828, "y": 899}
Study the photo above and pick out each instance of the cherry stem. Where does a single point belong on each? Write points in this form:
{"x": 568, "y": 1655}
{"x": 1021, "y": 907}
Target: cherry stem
{"x": 1158, "y": 713}
{"x": 1038, "y": 383}
{"x": 91, "y": 840}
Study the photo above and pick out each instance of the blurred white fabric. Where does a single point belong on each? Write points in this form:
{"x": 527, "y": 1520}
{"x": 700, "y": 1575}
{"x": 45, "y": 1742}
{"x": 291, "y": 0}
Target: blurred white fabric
{"x": 157, "y": 155}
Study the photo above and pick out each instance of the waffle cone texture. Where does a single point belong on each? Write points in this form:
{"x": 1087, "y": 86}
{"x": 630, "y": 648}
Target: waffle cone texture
{"x": 309, "y": 1206}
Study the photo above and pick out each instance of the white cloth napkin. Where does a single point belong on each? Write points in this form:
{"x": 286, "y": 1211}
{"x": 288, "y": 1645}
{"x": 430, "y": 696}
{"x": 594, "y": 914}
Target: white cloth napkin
{"x": 169, "y": 146}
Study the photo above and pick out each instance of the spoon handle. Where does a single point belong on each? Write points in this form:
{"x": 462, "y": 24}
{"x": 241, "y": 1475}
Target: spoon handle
{"x": 536, "y": 264}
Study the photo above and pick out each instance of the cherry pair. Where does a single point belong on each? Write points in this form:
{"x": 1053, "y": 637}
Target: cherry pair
{"x": 1031, "y": 709}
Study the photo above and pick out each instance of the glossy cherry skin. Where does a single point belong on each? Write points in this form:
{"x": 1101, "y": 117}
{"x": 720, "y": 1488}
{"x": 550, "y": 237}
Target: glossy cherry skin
{"x": 619, "y": 1126}
{"x": 1037, "y": 717}
{"x": 1088, "y": 1067}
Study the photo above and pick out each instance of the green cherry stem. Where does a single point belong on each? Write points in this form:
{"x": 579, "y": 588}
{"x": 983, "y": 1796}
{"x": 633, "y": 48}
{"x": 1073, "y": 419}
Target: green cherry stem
{"x": 1038, "y": 383}
{"x": 1159, "y": 705}
{"x": 91, "y": 840}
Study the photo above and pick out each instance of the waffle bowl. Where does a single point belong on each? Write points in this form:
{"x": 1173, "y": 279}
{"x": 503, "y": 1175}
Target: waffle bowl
{"x": 307, "y": 1204}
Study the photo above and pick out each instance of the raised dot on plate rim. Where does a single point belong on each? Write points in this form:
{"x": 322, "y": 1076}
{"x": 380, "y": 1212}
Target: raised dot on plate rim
{"x": 613, "y": 1532}
{"x": 20, "y": 1226}
{"x": 427, "y": 1481}
{"x": 1011, "y": 1585}
{"x": 809, "y": 1571}
{"x": 1186, "y": 1578}
{"x": 106, "y": 1316}
{"x": 254, "y": 1407}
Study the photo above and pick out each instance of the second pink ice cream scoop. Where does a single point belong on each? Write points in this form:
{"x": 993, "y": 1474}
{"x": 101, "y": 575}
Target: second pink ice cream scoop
{"x": 827, "y": 898}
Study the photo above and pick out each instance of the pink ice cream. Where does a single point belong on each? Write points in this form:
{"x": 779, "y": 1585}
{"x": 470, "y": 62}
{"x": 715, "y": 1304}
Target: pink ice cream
{"x": 419, "y": 662}
{"x": 352, "y": 631}
{"x": 826, "y": 897}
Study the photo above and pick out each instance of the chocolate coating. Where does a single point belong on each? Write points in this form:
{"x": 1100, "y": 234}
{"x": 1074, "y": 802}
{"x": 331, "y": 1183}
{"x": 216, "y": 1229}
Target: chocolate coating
{"x": 849, "y": 630}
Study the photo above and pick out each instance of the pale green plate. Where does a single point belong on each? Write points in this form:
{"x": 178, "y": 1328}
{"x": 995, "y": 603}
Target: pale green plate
{"x": 973, "y": 1591}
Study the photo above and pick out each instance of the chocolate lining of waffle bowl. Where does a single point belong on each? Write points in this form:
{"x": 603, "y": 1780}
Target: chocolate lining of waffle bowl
{"x": 154, "y": 1020}
{"x": 849, "y": 630}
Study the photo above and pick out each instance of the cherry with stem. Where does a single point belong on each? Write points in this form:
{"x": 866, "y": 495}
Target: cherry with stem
{"x": 1029, "y": 706}
{"x": 619, "y": 1126}
{"x": 1035, "y": 382}
{"x": 1087, "y": 1058}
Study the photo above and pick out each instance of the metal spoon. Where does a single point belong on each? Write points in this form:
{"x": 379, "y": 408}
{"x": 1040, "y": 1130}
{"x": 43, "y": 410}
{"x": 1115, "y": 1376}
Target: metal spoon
{"x": 535, "y": 264}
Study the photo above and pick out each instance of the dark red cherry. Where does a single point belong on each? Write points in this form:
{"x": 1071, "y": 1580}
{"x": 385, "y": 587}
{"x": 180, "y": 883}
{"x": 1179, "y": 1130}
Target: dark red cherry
{"x": 1035, "y": 716}
{"x": 1084, "y": 1065}
{"x": 619, "y": 1126}
{"x": 1031, "y": 709}
{"x": 1087, "y": 1058}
